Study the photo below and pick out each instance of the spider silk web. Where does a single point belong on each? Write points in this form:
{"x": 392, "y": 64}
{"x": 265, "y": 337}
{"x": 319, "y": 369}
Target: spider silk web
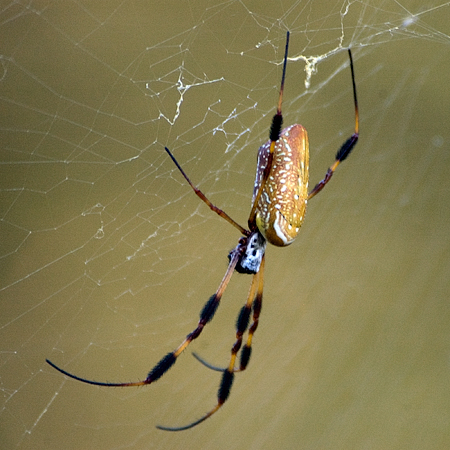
{"x": 107, "y": 256}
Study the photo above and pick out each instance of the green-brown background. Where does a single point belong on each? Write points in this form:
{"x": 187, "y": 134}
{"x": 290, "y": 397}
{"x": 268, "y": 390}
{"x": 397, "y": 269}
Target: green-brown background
{"x": 353, "y": 348}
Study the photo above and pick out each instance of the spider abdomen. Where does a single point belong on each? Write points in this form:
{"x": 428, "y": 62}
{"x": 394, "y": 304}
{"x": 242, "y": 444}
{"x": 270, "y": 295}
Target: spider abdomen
{"x": 281, "y": 207}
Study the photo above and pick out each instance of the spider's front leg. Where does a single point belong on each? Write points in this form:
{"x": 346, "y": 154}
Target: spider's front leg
{"x": 252, "y": 262}
{"x": 252, "y": 248}
{"x": 169, "y": 359}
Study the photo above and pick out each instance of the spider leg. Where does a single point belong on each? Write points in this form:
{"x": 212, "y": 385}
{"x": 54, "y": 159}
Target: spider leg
{"x": 208, "y": 364}
{"x": 275, "y": 130}
{"x": 255, "y": 300}
{"x": 241, "y": 325}
{"x": 347, "y": 146}
{"x": 257, "y": 304}
{"x": 203, "y": 197}
{"x": 169, "y": 360}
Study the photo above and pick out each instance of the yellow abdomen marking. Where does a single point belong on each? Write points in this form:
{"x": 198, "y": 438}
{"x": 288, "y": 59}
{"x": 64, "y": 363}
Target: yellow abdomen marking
{"x": 281, "y": 207}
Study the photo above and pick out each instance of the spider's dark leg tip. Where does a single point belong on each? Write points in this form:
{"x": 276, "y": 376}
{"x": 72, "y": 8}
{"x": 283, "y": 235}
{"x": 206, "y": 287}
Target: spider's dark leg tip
{"x": 170, "y": 154}
{"x": 207, "y": 364}
{"x": 60, "y": 370}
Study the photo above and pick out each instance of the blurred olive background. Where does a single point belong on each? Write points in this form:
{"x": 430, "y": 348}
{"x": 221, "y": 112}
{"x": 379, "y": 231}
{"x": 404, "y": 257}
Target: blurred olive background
{"x": 108, "y": 256}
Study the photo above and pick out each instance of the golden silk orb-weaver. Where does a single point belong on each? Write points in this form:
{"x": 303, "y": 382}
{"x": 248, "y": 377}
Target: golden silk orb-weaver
{"x": 278, "y": 207}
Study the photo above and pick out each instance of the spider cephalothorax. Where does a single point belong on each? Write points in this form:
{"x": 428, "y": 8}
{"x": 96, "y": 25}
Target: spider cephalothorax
{"x": 251, "y": 251}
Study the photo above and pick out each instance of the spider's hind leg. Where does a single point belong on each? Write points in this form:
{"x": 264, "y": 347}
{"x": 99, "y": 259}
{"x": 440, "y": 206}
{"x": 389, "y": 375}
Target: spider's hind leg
{"x": 347, "y": 146}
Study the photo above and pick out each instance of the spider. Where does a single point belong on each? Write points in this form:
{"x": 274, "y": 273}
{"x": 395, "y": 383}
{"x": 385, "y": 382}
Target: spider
{"x": 279, "y": 201}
